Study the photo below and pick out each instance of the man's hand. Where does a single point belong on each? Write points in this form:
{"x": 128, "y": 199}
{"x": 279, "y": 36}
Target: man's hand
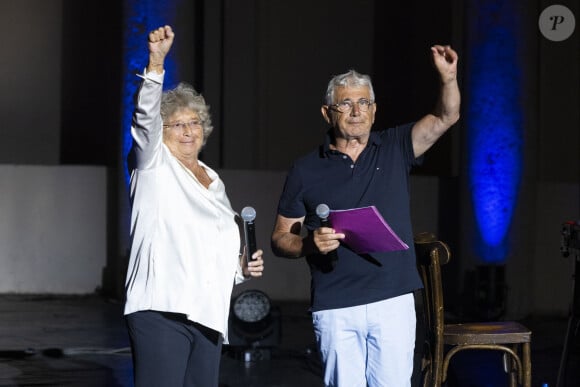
{"x": 326, "y": 240}
{"x": 428, "y": 129}
{"x": 445, "y": 60}
{"x": 159, "y": 42}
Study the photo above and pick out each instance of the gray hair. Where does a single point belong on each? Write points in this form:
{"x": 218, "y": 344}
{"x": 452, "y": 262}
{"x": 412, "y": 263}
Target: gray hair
{"x": 184, "y": 96}
{"x": 348, "y": 79}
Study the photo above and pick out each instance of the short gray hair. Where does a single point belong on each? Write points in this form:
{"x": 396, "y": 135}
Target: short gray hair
{"x": 184, "y": 96}
{"x": 348, "y": 79}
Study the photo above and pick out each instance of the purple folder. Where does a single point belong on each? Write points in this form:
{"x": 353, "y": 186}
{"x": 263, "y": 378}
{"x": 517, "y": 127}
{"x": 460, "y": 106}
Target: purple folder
{"x": 365, "y": 230}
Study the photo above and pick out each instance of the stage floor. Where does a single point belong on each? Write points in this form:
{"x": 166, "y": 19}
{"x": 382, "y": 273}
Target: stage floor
{"x": 82, "y": 341}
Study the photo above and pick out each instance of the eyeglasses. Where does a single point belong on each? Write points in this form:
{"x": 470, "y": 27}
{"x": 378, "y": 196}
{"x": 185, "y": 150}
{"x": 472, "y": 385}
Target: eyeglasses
{"x": 347, "y": 105}
{"x": 183, "y": 125}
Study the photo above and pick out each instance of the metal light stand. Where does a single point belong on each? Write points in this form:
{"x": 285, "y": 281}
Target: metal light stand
{"x": 571, "y": 246}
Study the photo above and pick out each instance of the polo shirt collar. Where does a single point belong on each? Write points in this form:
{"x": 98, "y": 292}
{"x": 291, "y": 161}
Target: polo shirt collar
{"x": 374, "y": 139}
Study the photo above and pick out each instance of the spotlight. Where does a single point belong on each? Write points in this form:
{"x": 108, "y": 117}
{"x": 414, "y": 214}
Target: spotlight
{"x": 254, "y": 325}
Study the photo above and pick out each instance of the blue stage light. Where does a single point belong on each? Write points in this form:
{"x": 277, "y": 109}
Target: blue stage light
{"x": 494, "y": 124}
{"x": 141, "y": 16}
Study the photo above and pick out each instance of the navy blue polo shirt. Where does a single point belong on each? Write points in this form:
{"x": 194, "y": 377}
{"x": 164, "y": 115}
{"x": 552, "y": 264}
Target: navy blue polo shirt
{"x": 380, "y": 177}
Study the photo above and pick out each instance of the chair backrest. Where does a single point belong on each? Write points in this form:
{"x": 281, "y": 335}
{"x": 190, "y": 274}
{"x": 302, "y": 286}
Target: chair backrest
{"x": 431, "y": 254}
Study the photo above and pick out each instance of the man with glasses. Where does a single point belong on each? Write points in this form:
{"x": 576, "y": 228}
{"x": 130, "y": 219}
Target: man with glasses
{"x": 362, "y": 307}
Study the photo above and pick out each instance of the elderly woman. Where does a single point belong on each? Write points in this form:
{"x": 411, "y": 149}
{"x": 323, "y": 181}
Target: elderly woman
{"x": 185, "y": 248}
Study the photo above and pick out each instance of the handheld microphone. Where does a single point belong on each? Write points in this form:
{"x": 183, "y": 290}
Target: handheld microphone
{"x": 322, "y": 210}
{"x": 248, "y": 215}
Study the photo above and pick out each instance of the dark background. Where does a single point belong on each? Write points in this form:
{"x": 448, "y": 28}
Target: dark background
{"x": 263, "y": 67}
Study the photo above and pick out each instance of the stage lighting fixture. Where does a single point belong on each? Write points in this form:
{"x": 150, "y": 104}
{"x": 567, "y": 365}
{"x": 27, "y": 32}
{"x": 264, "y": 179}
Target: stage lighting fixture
{"x": 251, "y": 307}
{"x": 254, "y": 325}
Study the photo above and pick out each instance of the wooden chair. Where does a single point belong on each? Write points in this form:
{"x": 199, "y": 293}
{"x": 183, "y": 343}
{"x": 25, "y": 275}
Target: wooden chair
{"x": 443, "y": 341}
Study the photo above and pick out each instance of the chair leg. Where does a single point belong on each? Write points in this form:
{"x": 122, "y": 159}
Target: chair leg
{"x": 426, "y": 379}
{"x": 510, "y": 368}
{"x": 527, "y": 364}
{"x": 526, "y": 372}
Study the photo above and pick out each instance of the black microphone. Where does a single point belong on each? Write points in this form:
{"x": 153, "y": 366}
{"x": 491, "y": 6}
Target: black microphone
{"x": 322, "y": 210}
{"x": 248, "y": 215}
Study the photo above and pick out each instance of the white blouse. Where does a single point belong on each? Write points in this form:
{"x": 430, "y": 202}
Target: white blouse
{"x": 185, "y": 241}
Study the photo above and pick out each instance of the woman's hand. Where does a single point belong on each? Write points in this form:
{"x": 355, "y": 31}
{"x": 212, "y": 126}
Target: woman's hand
{"x": 254, "y": 267}
{"x": 159, "y": 42}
